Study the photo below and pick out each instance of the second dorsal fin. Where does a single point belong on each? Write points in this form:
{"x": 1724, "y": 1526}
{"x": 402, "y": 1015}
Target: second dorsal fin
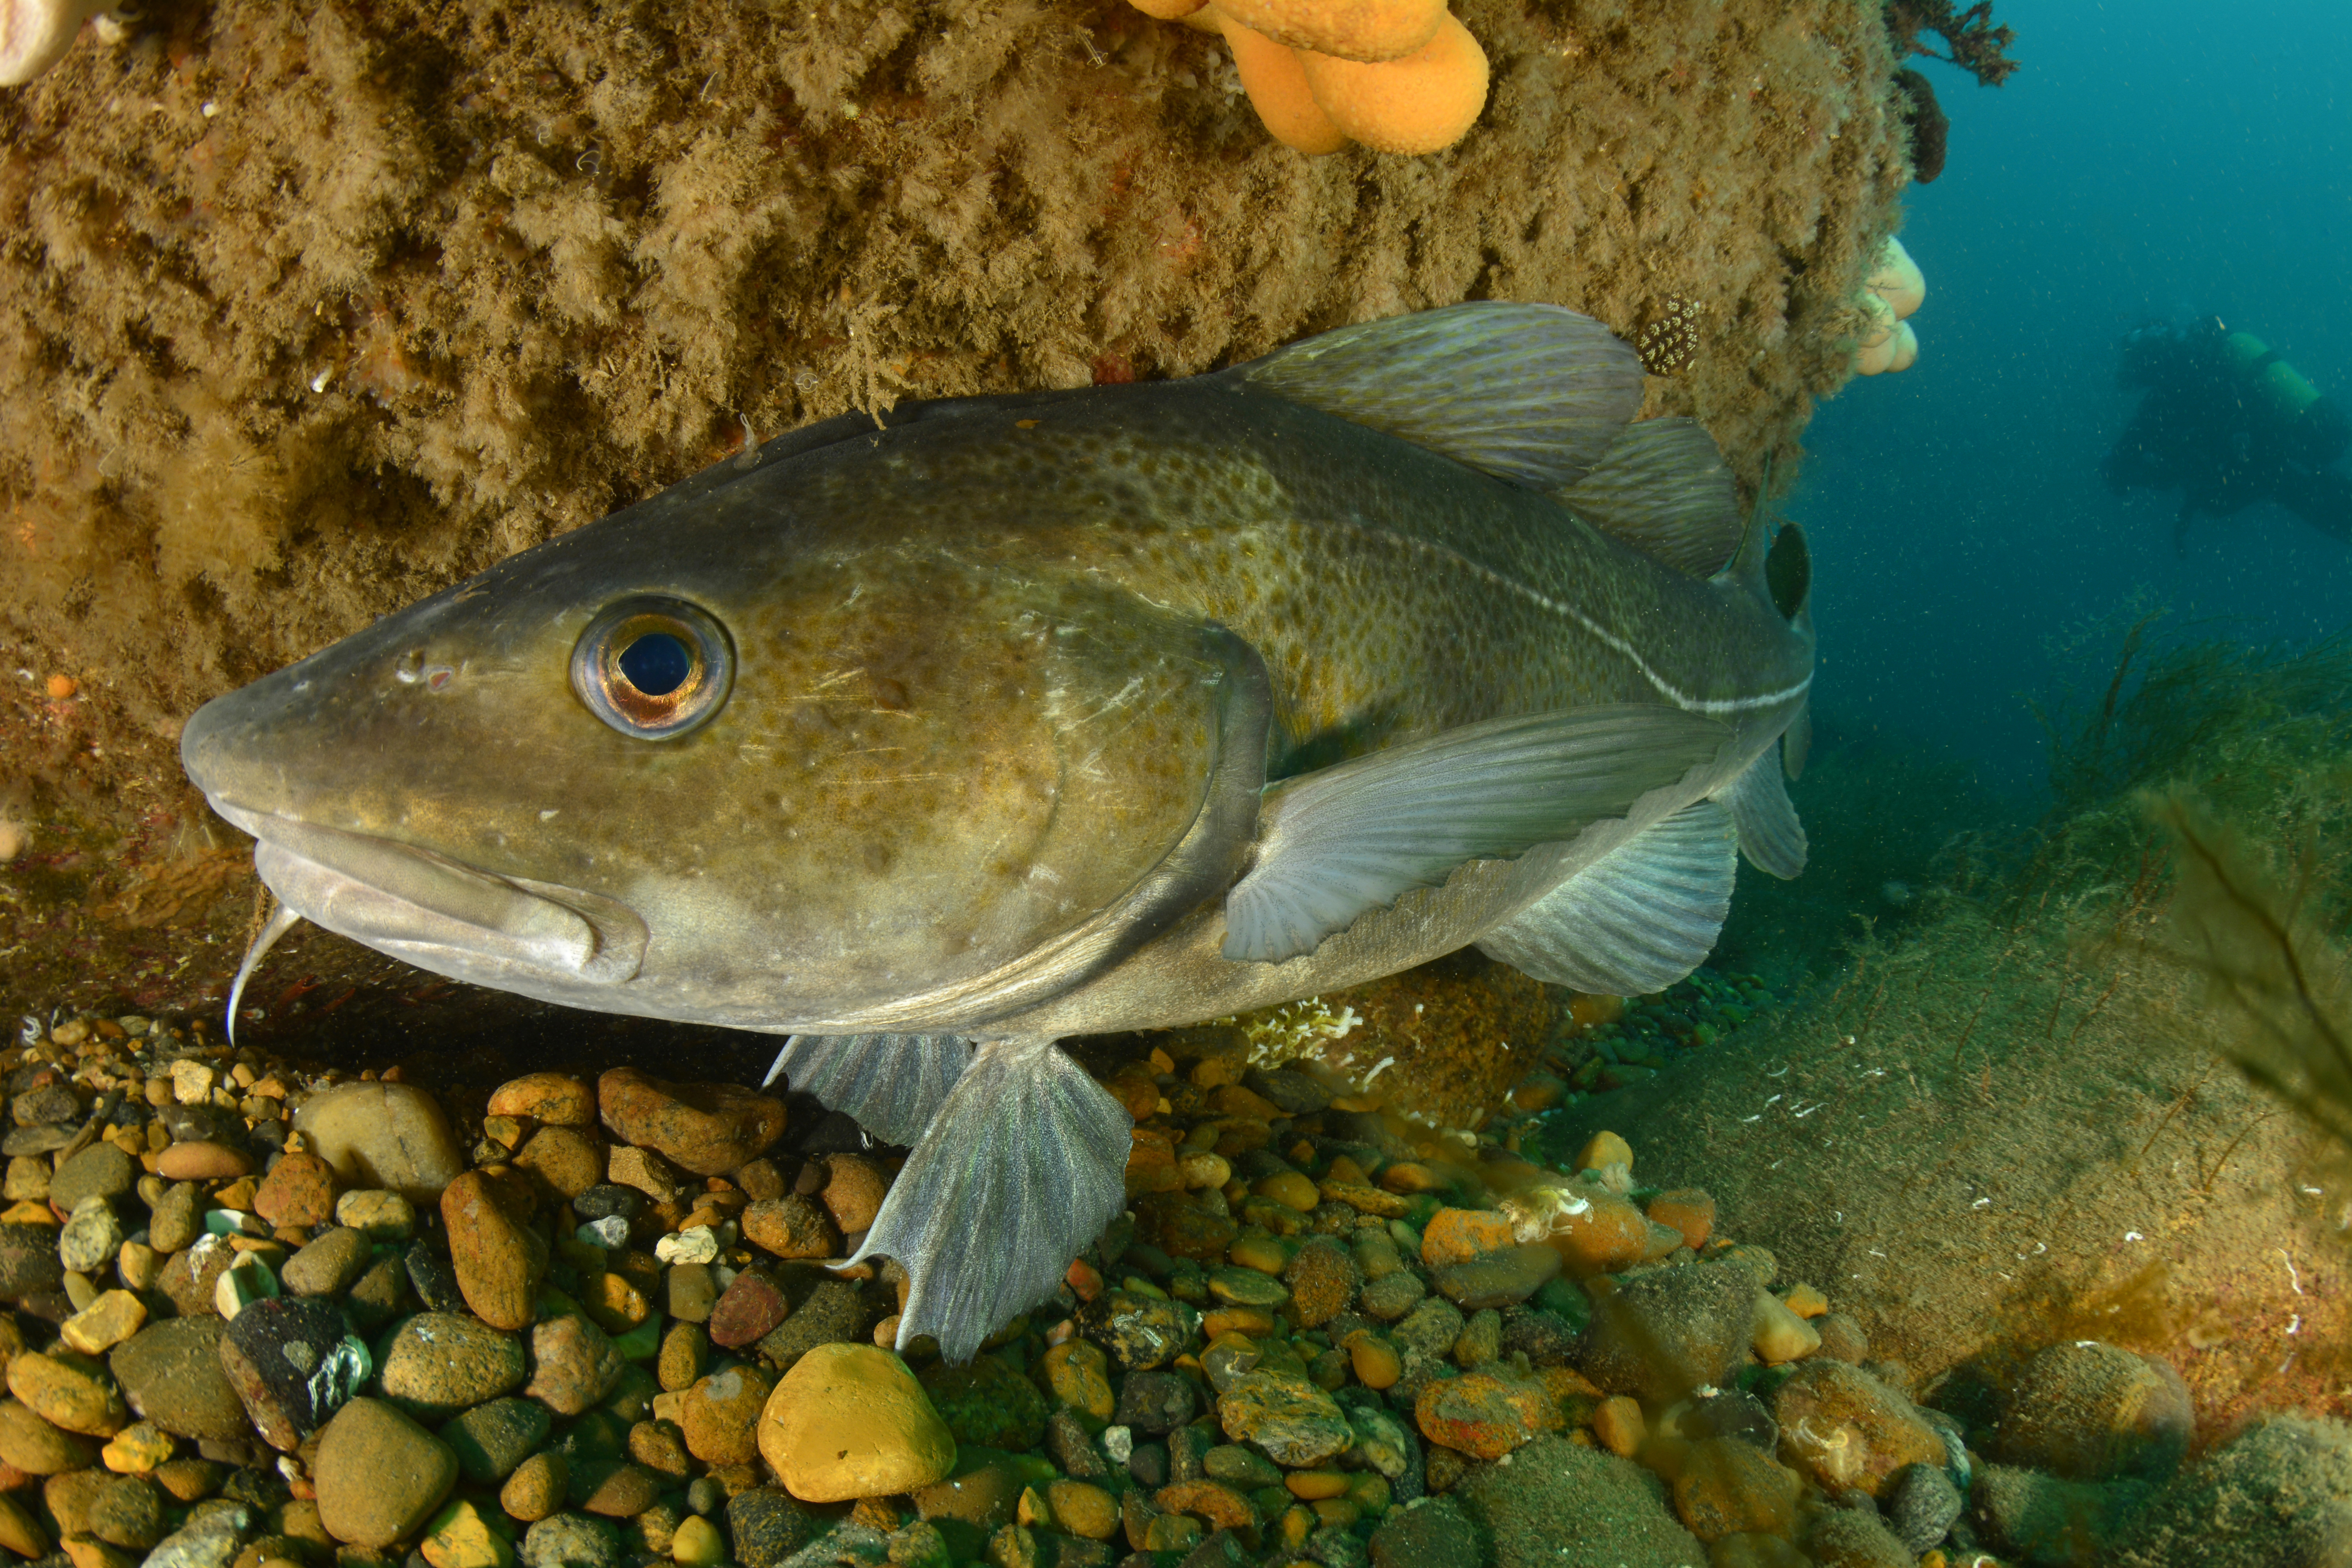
{"x": 1531, "y": 393}
{"x": 1661, "y": 488}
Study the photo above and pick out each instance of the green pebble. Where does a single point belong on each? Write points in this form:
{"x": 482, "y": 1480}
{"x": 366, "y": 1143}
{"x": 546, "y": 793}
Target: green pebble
{"x": 1566, "y": 1299}
{"x": 1247, "y": 1288}
{"x": 641, "y": 1342}
{"x": 1239, "y": 1467}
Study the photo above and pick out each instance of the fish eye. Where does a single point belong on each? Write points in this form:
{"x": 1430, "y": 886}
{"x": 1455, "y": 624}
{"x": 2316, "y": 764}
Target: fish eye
{"x": 653, "y": 666}
{"x": 656, "y": 663}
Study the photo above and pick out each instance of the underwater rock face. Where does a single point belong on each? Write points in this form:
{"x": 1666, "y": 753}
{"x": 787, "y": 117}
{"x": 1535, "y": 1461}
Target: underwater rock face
{"x": 525, "y": 267}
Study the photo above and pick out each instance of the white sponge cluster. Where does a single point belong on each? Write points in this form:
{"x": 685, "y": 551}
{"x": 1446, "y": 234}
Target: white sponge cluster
{"x": 1894, "y": 289}
{"x": 36, "y": 33}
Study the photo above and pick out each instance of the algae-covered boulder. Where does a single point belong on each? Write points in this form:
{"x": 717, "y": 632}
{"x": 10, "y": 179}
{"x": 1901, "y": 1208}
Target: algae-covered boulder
{"x": 2280, "y": 1492}
{"x": 416, "y": 285}
{"x": 1557, "y": 1505}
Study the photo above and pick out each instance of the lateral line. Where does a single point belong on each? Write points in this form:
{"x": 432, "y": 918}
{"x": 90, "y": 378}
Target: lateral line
{"x": 1683, "y": 699}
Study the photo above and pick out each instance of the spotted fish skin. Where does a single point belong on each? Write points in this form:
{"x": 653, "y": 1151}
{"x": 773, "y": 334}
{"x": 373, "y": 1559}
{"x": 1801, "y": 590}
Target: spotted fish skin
{"x": 1056, "y": 713}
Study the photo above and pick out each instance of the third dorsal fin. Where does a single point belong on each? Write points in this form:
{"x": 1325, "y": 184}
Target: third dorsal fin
{"x": 1661, "y": 488}
{"x": 1531, "y": 393}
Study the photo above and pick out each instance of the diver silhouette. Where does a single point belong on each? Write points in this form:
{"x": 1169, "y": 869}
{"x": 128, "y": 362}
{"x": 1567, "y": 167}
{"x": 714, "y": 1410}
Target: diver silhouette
{"x": 2226, "y": 422}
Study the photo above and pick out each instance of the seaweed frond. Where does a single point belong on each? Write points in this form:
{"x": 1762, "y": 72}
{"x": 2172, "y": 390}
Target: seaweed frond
{"x": 2279, "y": 988}
{"x": 1978, "y": 45}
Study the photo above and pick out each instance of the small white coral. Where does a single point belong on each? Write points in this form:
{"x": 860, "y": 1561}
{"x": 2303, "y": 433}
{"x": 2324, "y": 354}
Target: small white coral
{"x": 1283, "y": 1034}
{"x": 1542, "y": 1212}
{"x": 36, "y": 33}
{"x": 1894, "y": 290}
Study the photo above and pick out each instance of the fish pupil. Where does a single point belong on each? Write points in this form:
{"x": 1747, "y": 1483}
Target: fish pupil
{"x": 656, "y": 663}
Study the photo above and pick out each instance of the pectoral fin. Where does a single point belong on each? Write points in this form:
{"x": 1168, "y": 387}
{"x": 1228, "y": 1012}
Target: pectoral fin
{"x": 892, "y": 1085}
{"x": 1348, "y": 838}
{"x": 1769, "y": 834}
{"x": 1638, "y": 918}
{"x": 1020, "y": 1170}
{"x": 1797, "y": 743}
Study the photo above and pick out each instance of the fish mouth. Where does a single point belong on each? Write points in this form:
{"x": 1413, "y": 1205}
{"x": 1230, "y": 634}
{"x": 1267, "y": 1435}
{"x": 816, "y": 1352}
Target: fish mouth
{"x": 537, "y": 938}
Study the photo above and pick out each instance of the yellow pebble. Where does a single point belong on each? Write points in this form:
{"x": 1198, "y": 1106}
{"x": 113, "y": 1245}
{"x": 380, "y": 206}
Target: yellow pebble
{"x": 697, "y": 1544}
{"x": 615, "y": 1305}
{"x": 1617, "y": 1422}
{"x": 1082, "y": 1509}
{"x": 1335, "y": 1512}
{"x": 1298, "y": 1524}
{"x": 1806, "y": 1302}
{"x": 1262, "y": 1253}
{"x": 1606, "y": 1149}
{"x": 1291, "y": 1189}
{"x": 1215, "y": 1072}
{"x": 459, "y": 1536}
{"x": 1310, "y": 1484}
{"x": 88, "y": 1552}
{"x": 1204, "y": 1169}
{"x": 135, "y": 1450}
{"x": 1373, "y": 1360}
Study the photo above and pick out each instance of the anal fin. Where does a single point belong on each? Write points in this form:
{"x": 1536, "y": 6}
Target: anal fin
{"x": 1797, "y": 743}
{"x": 891, "y": 1084}
{"x": 1769, "y": 834}
{"x": 1635, "y": 920}
{"x": 1021, "y": 1169}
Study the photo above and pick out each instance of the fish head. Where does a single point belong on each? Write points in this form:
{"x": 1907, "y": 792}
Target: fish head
{"x": 684, "y": 767}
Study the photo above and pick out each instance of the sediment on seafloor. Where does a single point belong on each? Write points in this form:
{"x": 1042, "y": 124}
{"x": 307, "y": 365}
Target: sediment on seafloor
{"x": 263, "y": 1313}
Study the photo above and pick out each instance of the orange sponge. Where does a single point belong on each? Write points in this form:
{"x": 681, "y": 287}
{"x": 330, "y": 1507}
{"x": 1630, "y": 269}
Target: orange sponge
{"x": 1276, "y": 80}
{"x": 1347, "y": 29}
{"x": 1399, "y": 76}
{"x": 1423, "y": 102}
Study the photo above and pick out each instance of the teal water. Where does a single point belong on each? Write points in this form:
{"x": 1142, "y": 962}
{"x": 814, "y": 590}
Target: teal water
{"x": 2147, "y": 159}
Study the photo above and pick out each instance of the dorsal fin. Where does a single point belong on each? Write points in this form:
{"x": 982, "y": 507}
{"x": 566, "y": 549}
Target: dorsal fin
{"x": 1661, "y": 488}
{"x": 1531, "y": 393}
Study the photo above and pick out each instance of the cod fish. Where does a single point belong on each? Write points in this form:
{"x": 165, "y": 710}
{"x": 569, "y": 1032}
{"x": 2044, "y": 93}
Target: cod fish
{"x": 1075, "y": 712}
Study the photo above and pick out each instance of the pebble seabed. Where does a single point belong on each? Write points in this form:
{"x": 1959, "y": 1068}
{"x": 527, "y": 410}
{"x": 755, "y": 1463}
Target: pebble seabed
{"x": 265, "y": 1315}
